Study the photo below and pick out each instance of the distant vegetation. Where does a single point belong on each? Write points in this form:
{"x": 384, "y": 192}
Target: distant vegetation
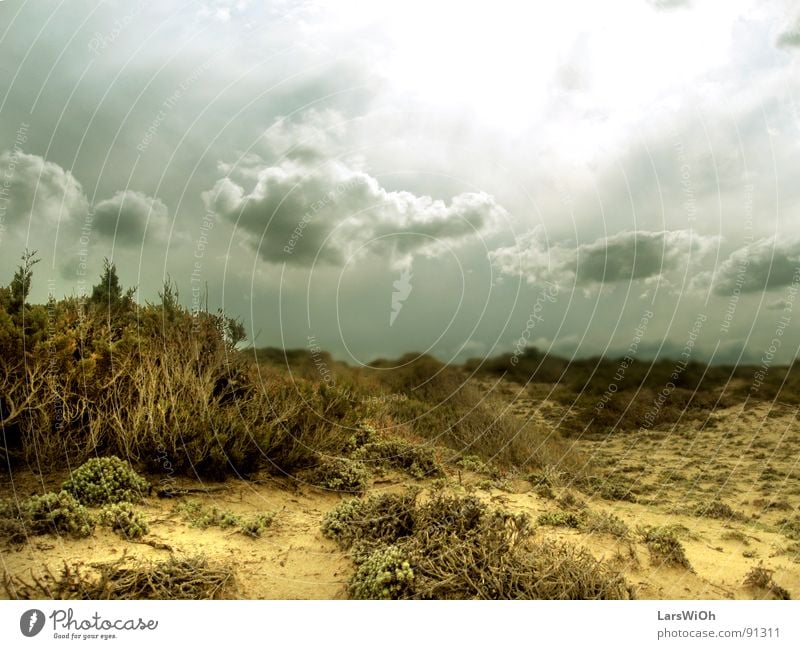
{"x": 152, "y": 383}
{"x": 174, "y": 392}
{"x": 615, "y": 393}
{"x": 170, "y": 391}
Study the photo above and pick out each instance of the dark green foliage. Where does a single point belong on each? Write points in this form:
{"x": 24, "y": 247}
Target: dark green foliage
{"x": 108, "y": 292}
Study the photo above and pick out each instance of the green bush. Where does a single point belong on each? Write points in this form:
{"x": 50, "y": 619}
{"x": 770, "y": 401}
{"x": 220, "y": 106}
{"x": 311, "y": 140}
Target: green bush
{"x": 341, "y": 474}
{"x": 384, "y": 518}
{"x": 105, "y": 480}
{"x": 385, "y": 574}
{"x": 50, "y": 513}
{"x": 364, "y": 434}
{"x": 418, "y": 461}
{"x": 256, "y": 526}
{"x": 561, "y": 519}
{"x": 717, "y": 509}
{"x": 202, "y": 517}
{"x": 124, "y": 520}
{"x": 665, "y": 547}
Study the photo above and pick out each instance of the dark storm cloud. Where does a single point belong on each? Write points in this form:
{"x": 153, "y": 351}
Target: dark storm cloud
{"x": 127, "y": 215}
{"x": 765, "y": 265}
{"x": 625, "y": 256}
{"x": 636, "y": 255}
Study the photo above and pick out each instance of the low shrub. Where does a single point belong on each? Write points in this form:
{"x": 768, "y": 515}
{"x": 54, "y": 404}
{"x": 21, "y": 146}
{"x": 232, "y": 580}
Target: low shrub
{"x": 612, "y": 488}
{"x": 606, "y": 523}
{"x": 455, "y": 547}
{"x": 124, "y": 520}
{"x": 384, "y": 518}
{"x": 417, "y": 461}
{"x": 363, "y": 434}
{"x": 203, "y": 517}
{"x": 384, "y": 574}
{"x": 665, "y": 547}
{"x": 341, "y": 474}
{"x": 561, "y": 519}
{"x": 717, "y": 509}
{"x": 475, "y": 464}
{"x": 105, "y": 480}
{"x": 761, "y": 577}
{"x": 50, "y": 513}
{"x": 254, "y": 527}
{"x": 790, "y": 528}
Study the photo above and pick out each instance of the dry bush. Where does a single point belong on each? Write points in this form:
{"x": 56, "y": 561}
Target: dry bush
{"x": 191, "y": 578}
{"x": 606, "y": 523}
{"x": 160, "y": 387}
{"x": 718, "y": 509}
{"x": 384, "y": 518}
{"x": 761, "y": 577}
{"x": 444, "y": 406}
{"x": 452, "y": 547}
{"x": 481, "y": 567}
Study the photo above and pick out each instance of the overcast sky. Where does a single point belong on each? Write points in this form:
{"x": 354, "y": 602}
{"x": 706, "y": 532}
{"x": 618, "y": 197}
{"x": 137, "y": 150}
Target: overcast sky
{"x": 446, "y": 177}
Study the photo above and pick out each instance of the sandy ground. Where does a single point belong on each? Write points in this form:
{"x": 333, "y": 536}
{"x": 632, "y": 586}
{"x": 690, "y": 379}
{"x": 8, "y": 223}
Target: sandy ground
{"x": 747, "y": 457}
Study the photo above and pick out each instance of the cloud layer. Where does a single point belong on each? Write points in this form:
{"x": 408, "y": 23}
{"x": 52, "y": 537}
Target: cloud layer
{"x": 39, "y": 192}
{"x": 622, "y": 257}
{"x": 309, "y": 207}
{"x": 126, "y": 216}
{"x": 765, "y": 265}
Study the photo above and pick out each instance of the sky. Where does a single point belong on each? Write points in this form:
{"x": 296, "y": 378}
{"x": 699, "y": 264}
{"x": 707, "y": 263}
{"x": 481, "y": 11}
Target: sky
{"x": 459, "y": 179}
